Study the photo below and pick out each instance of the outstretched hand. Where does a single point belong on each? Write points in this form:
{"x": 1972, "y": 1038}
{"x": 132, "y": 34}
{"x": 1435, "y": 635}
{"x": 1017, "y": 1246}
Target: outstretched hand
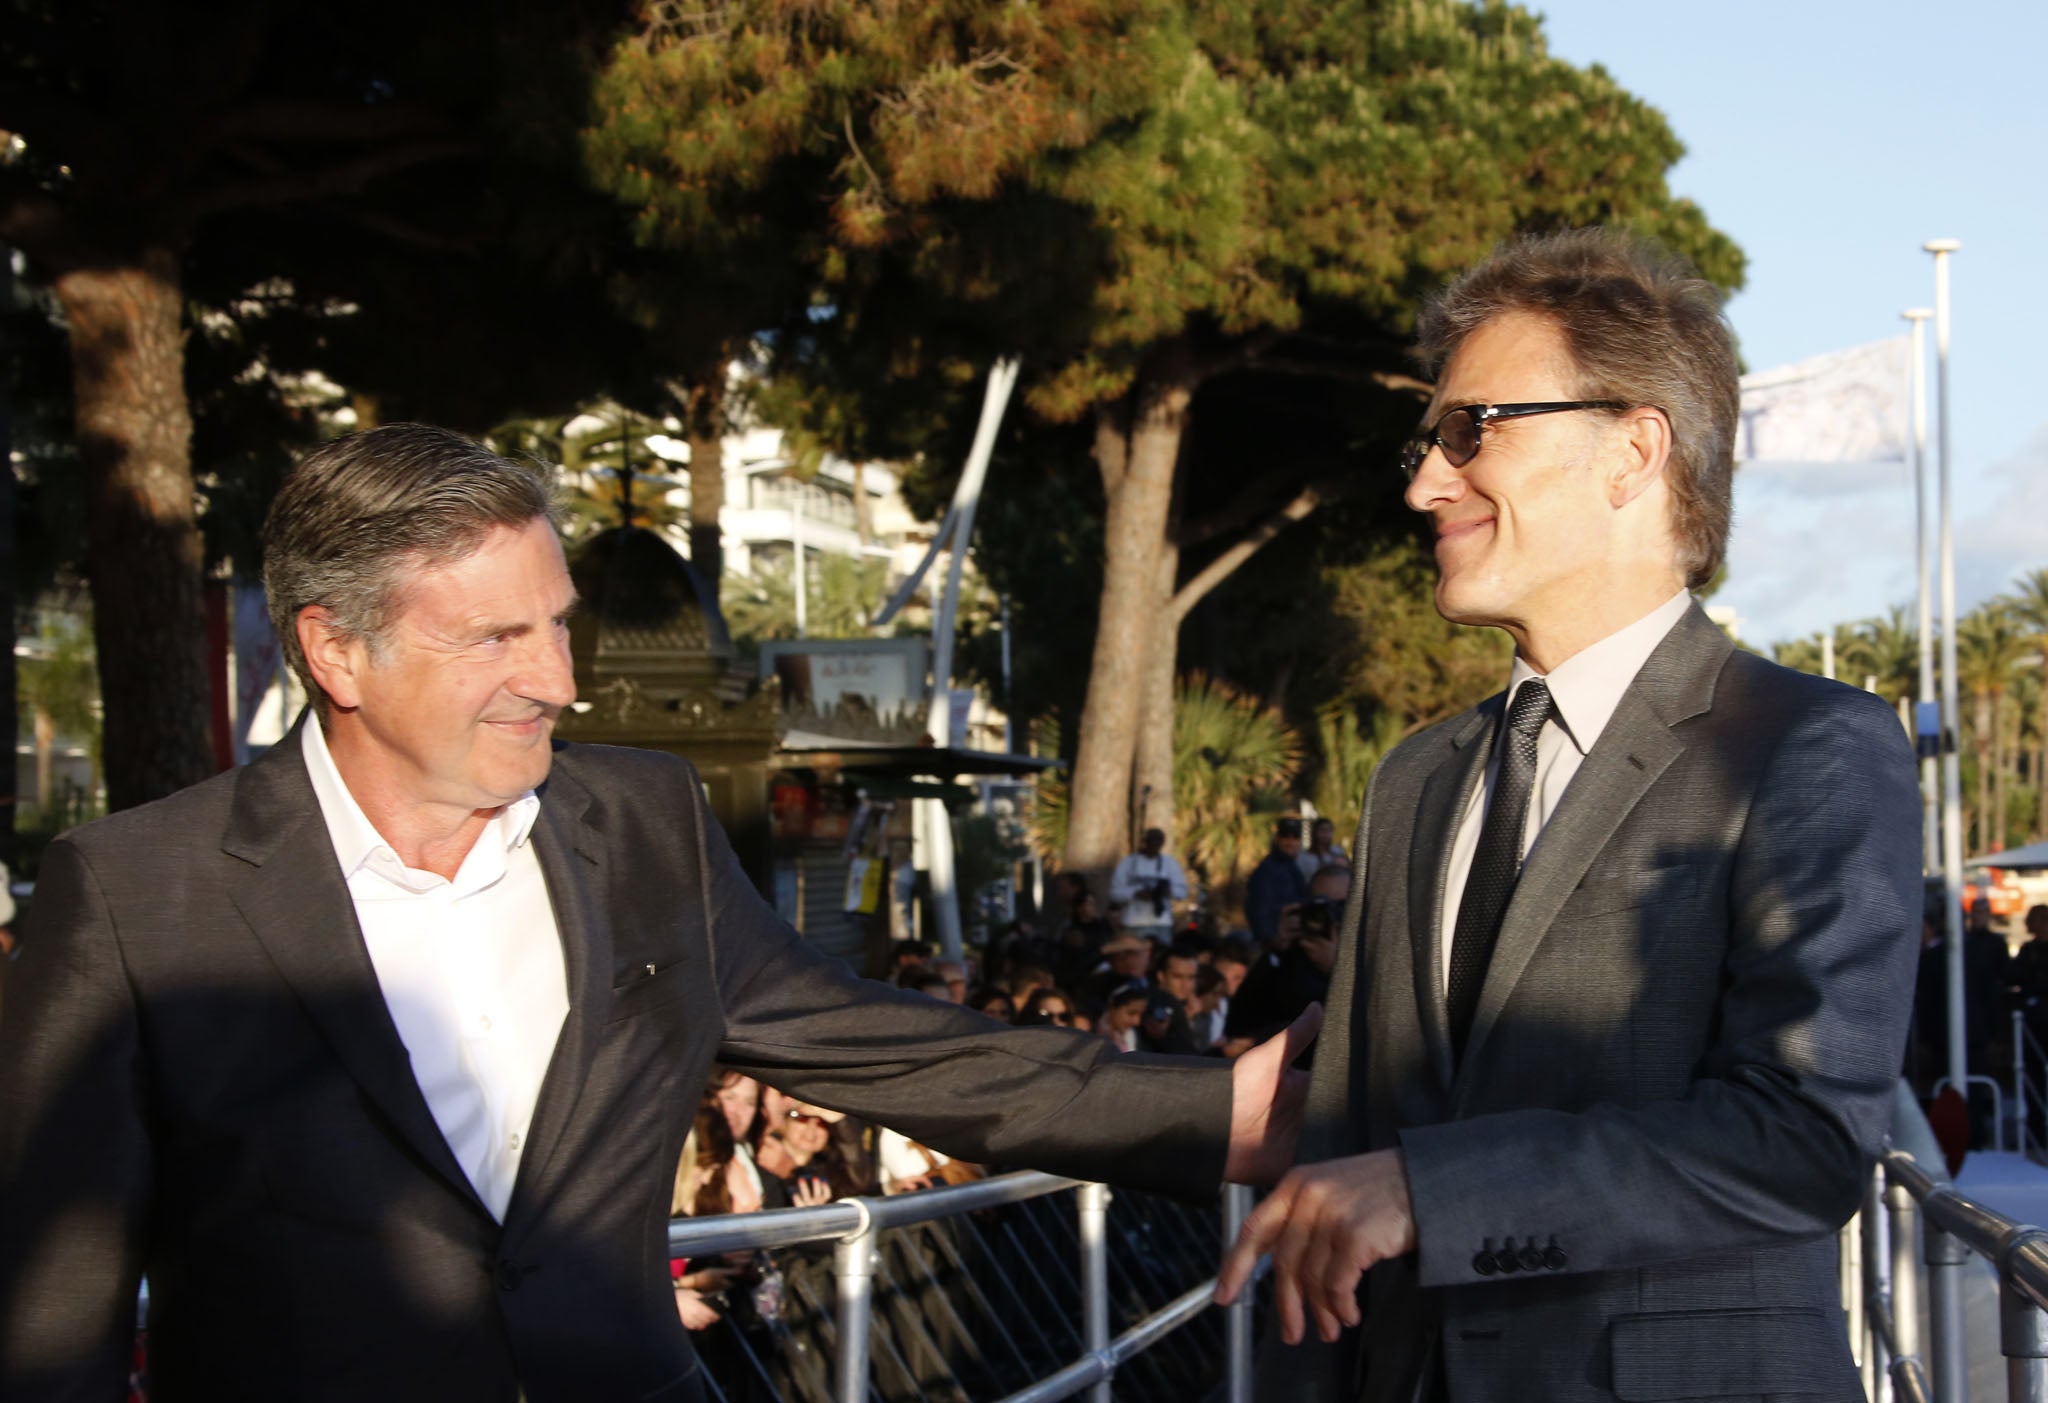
{"x": 1325, "y": 1225}
{"x": 1267, "y": 1095}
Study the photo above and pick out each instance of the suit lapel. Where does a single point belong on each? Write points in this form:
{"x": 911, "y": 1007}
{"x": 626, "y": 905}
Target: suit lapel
{"x": 293, "y": 897}
{"x": 568, "y": 851}
{"x": 1634, "y": 750}
{"x": 1444, "y": 796}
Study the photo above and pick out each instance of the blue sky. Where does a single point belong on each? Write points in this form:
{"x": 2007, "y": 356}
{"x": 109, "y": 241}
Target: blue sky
{"x": 1830, "y": 140}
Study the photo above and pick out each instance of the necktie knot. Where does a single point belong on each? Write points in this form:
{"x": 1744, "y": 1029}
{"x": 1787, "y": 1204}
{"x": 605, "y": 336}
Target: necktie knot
{"x": 1531, "y": 708}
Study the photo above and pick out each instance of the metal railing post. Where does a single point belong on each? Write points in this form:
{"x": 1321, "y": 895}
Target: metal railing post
{"x": 1947, "y": 1344}
{"x": 1849, "y": 1248}
{"x": 1092, "y": 1205}
{"x": 1903, "y": 1215}
{"x": 1237, "y": 1318}
{"x": 1877, "y": 1261}
{"x": 2019, "y": 1077}
{"x": 853, "y": 1273}
{"x": 2023, "y": 1340}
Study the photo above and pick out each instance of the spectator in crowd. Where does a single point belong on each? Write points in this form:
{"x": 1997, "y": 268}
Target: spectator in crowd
{"x": 1322, "y": 850}
{"x": 794, "y": 1144}
{"x": 1233, "y": 960}
{"x": 2028, "y": 975}
{"x": 1276, "y": 883}
{"x": 932, "y": 983}
{"x": 906, "y": 1166}
{"x": 1123, "y": 1013}
{"x": 1298, "y": 972}
{"x": 1046, "y": 1006}
{"x": 993, "y": 1002}
{"x": 1148, "y": 882}
{"x": 911, "y": 957}
{"x": 955, "y": 975}
{"x": 1081, "y": 941}
{"x": 1025, "y": 980}
{"x": 1177, "y": 970}
{"x": 1211, "y": 1009}
{"x": 1985, "y": 976}
{"x": 738, "y": 1098}
{"x": 1164, "y": 1027}
{"x": 1126, "y": 959}
{"x": 704, "y": 1186}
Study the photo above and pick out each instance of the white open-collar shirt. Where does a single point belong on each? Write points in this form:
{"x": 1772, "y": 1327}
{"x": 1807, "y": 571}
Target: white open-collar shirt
{"x": 1584, "y": 691}
{"x": 471, "y": 971}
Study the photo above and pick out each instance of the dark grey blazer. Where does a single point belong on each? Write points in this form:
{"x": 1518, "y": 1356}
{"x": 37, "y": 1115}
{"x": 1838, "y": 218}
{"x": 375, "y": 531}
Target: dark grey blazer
{"x": 1682, "y": 1060}
{"x": 199, "y": 1079}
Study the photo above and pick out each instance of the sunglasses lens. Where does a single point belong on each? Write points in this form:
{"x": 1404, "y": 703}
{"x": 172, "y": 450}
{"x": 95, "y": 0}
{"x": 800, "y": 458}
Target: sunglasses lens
{"x": 1459, "y": 434}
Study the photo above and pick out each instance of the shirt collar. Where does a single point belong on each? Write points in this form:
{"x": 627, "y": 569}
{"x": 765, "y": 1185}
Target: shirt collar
{"x": 1588, "y": 686}
{"x": 356, "y": 840}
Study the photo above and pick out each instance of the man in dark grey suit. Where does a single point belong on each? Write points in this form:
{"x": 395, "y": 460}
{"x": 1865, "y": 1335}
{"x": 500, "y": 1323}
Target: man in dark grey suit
{"x": 377, "y": 1056}
{"x": 1625, "y": 977}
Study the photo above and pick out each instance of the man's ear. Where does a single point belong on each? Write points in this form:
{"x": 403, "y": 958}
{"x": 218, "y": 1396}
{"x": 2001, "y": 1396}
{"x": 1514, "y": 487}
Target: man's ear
{"x": 1645, "y": 435}
{"x": 334, "y": 658}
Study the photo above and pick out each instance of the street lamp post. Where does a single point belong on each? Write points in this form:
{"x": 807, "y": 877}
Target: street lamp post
{"x": 1951, "y": 762}
{"x": 1926, "y": 716}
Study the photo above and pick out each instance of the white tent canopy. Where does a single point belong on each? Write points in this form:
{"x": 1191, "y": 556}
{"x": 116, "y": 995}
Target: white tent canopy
{"x": 2032, "y": 855}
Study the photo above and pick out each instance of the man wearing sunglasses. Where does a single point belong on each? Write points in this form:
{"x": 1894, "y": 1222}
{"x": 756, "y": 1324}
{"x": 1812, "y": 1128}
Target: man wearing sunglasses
{"x": 1624, "y": 979}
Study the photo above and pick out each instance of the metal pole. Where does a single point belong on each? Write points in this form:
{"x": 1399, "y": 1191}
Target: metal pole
{"x": 2023, "y": 1340}
{"x": 1877, "y": 1259}
{"x": 799, "y": 577}
{"x": 1237, "y": 1316}
{"x": 853, "y": 1272}
{"x": 1927, "y": 716}
{"x": 1092, "y": 1203}
{"x": 1951, "y": 762}
{"x": 1849, "y": 1248}
{"x": 1002, "y": 378}
{"x": 2019, "y": 1080}
{"x": 1827, "y": 655}
{"x": 1904, "y": 1214}
{"x": 1946, "y": 1257}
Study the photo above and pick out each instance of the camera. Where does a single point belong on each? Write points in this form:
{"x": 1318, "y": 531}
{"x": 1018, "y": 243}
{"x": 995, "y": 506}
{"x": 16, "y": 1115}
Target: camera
{"x": 1319, "y": 918}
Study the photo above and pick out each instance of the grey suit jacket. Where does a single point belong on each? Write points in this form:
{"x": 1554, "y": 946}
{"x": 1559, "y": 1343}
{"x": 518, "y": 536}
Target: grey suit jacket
{"x": 1682, "y": 1060}
{"x": 202, "y": 1081}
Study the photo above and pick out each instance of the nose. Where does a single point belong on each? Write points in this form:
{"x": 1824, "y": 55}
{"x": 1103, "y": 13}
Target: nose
{"x": 549, "y": 675}
{"x": 1437, "y": 483}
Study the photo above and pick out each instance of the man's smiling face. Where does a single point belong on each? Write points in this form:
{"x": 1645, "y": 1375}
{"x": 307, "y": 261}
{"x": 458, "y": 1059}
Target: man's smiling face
{"x": 1524, "y": 527}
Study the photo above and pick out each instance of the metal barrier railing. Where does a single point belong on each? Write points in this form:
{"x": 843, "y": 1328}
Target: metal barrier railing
{"x": 853, "y": 1226}
{"x": 1912, "y": 1241}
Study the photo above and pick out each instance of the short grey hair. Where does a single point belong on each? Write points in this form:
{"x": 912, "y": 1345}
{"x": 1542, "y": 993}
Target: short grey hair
{"x": 360, "y": 514}
{"x": 1643, "y": 327}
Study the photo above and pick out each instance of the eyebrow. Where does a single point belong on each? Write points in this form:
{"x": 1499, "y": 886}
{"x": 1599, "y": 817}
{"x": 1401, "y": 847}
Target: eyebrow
{"x": 493, "y": 630}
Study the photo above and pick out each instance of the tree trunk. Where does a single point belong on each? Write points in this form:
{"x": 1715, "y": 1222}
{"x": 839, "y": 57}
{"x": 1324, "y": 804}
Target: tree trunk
{"x": 46, "y": 757}
{"x": 1998, "y": 769}
{"x": 10, "y": 677}
{"x": 143, "y": 548}
{"x": 2041, "y": 757}
{"x": 1152, "y": 783}
{"x": 1137, "y": 470}
{"x": 863, "y": 509}
{"x": 705, "y": 420}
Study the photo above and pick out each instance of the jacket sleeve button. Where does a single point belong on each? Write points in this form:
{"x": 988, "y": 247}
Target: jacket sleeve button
{"x": 1482, "y": 1262}
{"x": 1554, "y": 1257}
{"x": 1507, "y": 1259}
{"x": 1533, "y": 1258}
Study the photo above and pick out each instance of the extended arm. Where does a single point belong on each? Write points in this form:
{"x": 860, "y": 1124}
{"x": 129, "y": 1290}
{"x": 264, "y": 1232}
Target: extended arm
{"x": 74, "y": 1149}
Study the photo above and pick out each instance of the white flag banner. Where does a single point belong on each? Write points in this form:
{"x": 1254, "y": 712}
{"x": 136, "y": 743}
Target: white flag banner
{"x": 1842, "y": 407}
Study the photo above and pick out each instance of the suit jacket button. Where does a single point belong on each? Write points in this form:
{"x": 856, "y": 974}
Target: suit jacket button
{"x": 1507, "y": 1259}
{"x": 1554, "y": 1257}
{"x": 1482, "y": 1262}
{"x": 508, "y": 1276}
{"x": 1533, "y": 1258}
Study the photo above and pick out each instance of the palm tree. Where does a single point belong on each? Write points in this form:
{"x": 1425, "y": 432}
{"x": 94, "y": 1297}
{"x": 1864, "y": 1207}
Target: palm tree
{"x": 1349, "y": 753}
{"x": 1990, "y": 646}
{"x": 611, "y": 474}
{"x": 2030, "y": 608}
{"x": 1233, "y": 760}
{"x": 1887, "y": 649}
{"x": 60, "y": 691}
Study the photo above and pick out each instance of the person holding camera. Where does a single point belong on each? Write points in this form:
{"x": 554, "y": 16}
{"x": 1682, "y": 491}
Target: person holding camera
{"x": 1148, "y": 882}
{"x": 1296, "y": 972}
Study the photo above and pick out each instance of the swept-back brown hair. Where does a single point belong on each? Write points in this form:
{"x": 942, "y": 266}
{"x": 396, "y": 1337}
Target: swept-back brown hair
{"x": 1642, "y": 327}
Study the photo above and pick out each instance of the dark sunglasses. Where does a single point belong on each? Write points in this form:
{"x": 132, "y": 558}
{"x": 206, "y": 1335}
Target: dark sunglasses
{"x": 1458, "y": 431}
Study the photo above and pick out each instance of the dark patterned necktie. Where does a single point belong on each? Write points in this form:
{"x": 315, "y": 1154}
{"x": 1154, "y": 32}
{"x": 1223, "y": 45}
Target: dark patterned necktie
{"x": 1497, "y": 862}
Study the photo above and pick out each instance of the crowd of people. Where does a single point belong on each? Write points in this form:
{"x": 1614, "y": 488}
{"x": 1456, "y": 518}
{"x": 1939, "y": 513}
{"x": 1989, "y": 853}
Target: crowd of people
{"x": 1136, "y": 970}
